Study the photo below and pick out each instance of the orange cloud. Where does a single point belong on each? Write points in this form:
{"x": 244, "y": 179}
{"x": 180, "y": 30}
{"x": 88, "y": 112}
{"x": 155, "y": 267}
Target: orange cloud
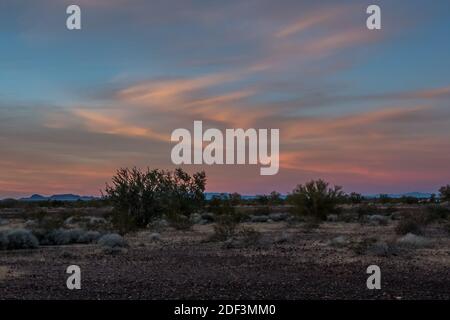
{"x": 339, "y": 40}
{"x": 431, "y": 93}
{"x": 169, "y": 92}
{"x": 97, "y": 122}
{"x": 346, "y": 125}
{"x": 311, "y": 20}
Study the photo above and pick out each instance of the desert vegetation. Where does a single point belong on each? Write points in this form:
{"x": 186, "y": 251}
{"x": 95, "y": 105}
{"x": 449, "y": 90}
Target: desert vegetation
{"x": 146, "y": 213}
{"x": 139, "y": 197}
{"x": 138, "y": 200}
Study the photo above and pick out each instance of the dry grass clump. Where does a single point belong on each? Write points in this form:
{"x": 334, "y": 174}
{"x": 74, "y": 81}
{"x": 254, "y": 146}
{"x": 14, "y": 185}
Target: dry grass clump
{"x": 225, "y": 228}
{"x": 15, "y": 239}
{"x": 408, "y": 225}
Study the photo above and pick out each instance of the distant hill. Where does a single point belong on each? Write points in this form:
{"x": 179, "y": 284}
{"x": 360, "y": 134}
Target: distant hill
{"x": 208, "y": 196}
{"x": 418, "y": 195}
{"x": 58, "y": 197}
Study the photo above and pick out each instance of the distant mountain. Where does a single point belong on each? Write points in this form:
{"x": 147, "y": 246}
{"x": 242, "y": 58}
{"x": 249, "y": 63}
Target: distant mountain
{"x": 58, "y": 197}
{"x": 418, "y": 195}
{"x": 35, "y": 197}
{"x": 208, "y": 196}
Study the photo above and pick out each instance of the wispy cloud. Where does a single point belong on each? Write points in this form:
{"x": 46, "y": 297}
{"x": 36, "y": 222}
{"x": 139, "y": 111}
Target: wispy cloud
{"x": 312, "y": 19}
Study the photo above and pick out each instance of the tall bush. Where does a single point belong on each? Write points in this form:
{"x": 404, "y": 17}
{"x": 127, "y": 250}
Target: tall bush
{"x": 444, "y": 193}
{"x": 316, "y": 199}
{"x": 139, "y": 196}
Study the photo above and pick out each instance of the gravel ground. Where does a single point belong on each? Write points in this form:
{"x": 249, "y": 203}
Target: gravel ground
{"x": 181, "y": 265}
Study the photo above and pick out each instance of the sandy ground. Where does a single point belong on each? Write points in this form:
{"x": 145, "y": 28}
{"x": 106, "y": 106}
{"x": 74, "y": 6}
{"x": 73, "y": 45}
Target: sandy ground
{"x": 182, "y": 265}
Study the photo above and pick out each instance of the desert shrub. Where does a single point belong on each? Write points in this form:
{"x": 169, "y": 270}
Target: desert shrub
{"x": 447, "y": 228}
{"x": 354, "y": 198}
{"x": 275, "y": 198}
{"x": 87, "y": 222}
{"x": 155, "y": 236}
{"x": 37, "y": 214}
{"x": 262, "y": 210}
{"x": 376, "y": 219}
{"x": 311, "y": 224}
{"x": 158, "y": 225}
{"x": 225, "y": 227}
{"x": 249, "y": 236}
{"x": 361, "y": 247}
{"x": 339, "y": 241}
{"x": 384, "y": 199}
{"x": 44, "y": 222}
{"x": 235, "y": 199}
{"x": 259, "y": 218}
{"x": 373, "y": 246}
{"x": 437, "y": 212}
{"x": 179, "y": 221}
{"x": 316, "y": 199}
{"x": 413, "y": 240}
{"x": 262, "y": 199}
{"x": 138, "y": 197}
{"x": 96, "y": 223}
{"x": 196, "y": 218}
{"x": 348, "y": 217}
{"x": 282, "y": 216}
{"x": 409, "y": 200}
{"x": 283, "y": 237}
{"x": 3, "y": 240}
{"x": 427, "y": 215}
{"x": 63, "y": 237}
{"x": 390, "y": 210}
{"x": 221, "y": 205}
{"x": 89, "y": 237}
{"x": 408, "y": 225}
{"x": 10, "y": 203}
{"x": 366, "y": 210}
{"x": 112, "y": 240}
{"x": 66, "y": 236}
{"x": 19, "y": 239}
{"x": 444, "y": 193}
{"x": 122, "y": 222}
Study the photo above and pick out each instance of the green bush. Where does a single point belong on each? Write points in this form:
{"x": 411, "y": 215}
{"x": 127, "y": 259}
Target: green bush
{"x": 275, "y": 198}
{"x": 316, "y": 199}
{"x": 221, "y": 205}
{"x": 138, "y": 196}
{"x": 354, "y": 198}
{"x": 18, "y": 239}
{"x": 235, "y": 198}
{"x": 408, "y": 225}
{"x": 444, "y": 193}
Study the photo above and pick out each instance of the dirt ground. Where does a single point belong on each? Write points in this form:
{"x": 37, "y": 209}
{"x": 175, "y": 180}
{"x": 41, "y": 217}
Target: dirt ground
{"x": 182, "y": 265}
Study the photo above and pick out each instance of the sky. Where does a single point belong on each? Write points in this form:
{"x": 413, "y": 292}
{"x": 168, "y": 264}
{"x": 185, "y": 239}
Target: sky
{"x": 365, "y": 109}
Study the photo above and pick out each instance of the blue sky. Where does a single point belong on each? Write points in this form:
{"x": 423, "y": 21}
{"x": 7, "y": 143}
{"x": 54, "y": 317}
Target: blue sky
{"x": 365, "y": 109}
